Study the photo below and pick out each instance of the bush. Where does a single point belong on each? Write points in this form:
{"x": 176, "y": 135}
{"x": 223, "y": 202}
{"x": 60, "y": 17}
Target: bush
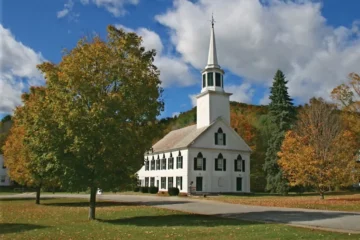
{"x": 136, "y": 189}
{"x": 173, "y": 191}
{"x": 153, "y": 189}
{"x": 144, "y": 189}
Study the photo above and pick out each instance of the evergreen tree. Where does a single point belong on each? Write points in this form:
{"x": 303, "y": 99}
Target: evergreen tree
{"x": 282, "y": 113}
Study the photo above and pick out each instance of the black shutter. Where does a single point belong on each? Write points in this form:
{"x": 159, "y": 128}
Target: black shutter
{"x": 216, "y": 164}
{"x": 194, "y": 163}
{"x": 204, "y": 164}
{"x": 235, "y": 165}
{"x": 181, "y": 162}
{"x": 224, "y": 164}
{"x": 224, "y": 136}
{"x": 243, "y": 165}
{"x": 216, "y": 139}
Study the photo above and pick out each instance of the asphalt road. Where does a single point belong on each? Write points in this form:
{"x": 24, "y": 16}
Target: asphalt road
{"x": 327, "y": 220}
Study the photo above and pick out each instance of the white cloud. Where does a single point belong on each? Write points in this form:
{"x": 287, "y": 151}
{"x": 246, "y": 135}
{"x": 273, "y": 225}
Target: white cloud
{"x": 193, "y": 99}
{"x": 240, "y": 93}
{"x": 115, "y": 7}
{"x": 17, "y": 70}
{"x": 173, "y": 70}
{"x": 255, "y": 39}
{"x": 175, "y": 114}
{"x": 67, "y": 9}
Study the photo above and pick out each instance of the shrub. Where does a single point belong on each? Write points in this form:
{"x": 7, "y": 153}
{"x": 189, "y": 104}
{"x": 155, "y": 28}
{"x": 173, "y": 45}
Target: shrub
{"x": 173, "y": 191}
{"x": 144, "y": 189}
{"x": 153, "y": 189}
{"x": 136, "y": 189}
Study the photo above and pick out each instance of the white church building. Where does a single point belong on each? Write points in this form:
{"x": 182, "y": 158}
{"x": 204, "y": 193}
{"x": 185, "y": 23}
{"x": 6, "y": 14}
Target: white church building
{"x": 208, "y": 157}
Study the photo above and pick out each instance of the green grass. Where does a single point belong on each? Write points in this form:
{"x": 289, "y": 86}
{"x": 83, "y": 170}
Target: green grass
{"x": 67, "y": 219}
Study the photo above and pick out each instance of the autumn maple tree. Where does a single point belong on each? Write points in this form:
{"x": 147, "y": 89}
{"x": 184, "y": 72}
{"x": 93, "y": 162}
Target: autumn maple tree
{"x": 319, "y": 152}
{"x": 27, "y": 158}
{"x": 105, "y": 97}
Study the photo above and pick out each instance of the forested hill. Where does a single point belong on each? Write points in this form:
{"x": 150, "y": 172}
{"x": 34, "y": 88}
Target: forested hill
{"x": 250, "y": 121}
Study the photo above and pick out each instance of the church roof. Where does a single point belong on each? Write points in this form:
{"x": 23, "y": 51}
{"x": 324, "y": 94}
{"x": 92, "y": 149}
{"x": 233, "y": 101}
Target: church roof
{"x": 179, "y": 138}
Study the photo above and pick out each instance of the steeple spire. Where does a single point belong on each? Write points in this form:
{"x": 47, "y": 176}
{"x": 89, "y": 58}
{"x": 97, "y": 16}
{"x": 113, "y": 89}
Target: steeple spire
{"x": 212, "y": 57}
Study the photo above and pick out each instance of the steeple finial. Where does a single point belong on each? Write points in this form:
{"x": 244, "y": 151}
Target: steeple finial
{"x": 212, "y": 57}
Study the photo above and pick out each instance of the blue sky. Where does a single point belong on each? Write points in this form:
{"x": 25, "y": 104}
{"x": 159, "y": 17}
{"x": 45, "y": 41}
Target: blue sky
{"x": 315, "y": 43}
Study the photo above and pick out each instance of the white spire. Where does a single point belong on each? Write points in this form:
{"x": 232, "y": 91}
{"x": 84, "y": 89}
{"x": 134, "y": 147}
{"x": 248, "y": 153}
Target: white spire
{"x": 212, "y": 57}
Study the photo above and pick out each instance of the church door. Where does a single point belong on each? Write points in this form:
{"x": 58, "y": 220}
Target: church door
{"x": 239, "y": 184}
{"x": 199, "y": 184}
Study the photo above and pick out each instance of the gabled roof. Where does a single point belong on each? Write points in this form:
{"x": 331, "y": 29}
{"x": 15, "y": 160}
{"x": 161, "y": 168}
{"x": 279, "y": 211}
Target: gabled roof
{"x": 179, "y": 138}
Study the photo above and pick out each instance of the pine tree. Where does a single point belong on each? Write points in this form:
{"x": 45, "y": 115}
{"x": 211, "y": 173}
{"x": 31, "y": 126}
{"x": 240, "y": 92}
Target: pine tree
{"x": 282, "y": 113}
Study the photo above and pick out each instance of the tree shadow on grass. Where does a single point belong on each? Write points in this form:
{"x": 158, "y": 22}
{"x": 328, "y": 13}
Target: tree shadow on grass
{"x": 10, "y": 199}
{"x": 177, "y": 220}
{"x": 111, "y": 203}
{"x": 6, "y": 228}
{"x": 287, "y": 216}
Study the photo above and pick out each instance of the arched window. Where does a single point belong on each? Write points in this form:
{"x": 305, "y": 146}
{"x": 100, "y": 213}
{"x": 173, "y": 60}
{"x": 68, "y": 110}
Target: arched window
{"x": 200, "y": 162}
{"x": 220, "y": 163}
{"x": 179, "y": 161}
{"x": 158, "y": 162}
{"x": 163, "y": 162}
{"x": 153, "y": 163}
{"x": 171, "y": 162}
{"x": 239, "y": 164}
{"x": 146, "y": 164}
{"x": 220, "y": 137}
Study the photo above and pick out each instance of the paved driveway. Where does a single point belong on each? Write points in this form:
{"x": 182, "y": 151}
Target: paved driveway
{"x": 334, "y": 220}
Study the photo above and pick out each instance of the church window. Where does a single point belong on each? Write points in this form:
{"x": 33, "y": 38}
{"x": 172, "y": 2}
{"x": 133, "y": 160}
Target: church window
{"x": 200, "y": 162}
{"x": 146, "y": 164}
{"x": 158, "y": 163}
{"x": 146, "y": 181}
{"x": 179, "y": 161}
{"x": 163, "y": 182}
{"x": 218, "y": 79}
{"x": 220, "y": 163}
{"x": 171, "y": 162}
{"x": 153, "y": 163}
{"x": 179, "y": 182}
{"x": 204, "y": 80}
{"x": 152, "y": 182}
{"x": 220, "y": 137}
{"x": 170, "y": 182}
{"x": 210, "y": 79}
{"x": 239, "y": 164}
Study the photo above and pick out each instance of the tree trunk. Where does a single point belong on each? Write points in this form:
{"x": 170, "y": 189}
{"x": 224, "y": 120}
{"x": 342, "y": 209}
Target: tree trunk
{"x": 92, "y": 203}
{"x": 322, "y": 195}
{"x": 37, "y": 201}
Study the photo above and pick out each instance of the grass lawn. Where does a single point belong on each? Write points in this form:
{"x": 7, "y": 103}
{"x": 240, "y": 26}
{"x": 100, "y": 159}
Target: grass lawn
{"x": 67, "y": 219}
{"x": 337, "y": 201}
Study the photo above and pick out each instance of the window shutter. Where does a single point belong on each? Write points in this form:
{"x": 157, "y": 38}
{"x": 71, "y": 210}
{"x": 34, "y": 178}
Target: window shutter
{"x": 194, "y": 163}
{"x": 216, "y": 139}
{"x": 235, "y": 165}
{"x": 204, "y": 164}
{"x": 216, "y": 164}
{"x": 243, "y": 165}
{"x": 224, "y": 136}
{"x": 181, "y": 162}
{"x": 224, "y": 162}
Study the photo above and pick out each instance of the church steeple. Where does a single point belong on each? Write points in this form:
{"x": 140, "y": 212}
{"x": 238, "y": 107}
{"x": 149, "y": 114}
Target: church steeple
{"x": 212, "y": 75}
{"x": 212, "y": 57}
{"x": 213, "y": 101}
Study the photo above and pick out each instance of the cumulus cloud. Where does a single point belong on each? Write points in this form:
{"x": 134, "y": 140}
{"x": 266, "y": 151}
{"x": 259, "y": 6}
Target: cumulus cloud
{"x": 255, "y": 38}
{"x": 67, "y": 9}
{"x": 240, "y": 93}
{"x": 17, "y": 70}
{"x": 173, "y": 70}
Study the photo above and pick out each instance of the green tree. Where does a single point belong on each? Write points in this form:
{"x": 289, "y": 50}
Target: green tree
{"x": 282, "y": 113}
{"x": 28, "y": 160}
{"x": 105, "y": 97}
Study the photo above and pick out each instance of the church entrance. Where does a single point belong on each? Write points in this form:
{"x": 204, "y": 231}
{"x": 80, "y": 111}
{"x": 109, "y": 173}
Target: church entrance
{"x": 239, "y": 184}
{"x": 199, "y": 184}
